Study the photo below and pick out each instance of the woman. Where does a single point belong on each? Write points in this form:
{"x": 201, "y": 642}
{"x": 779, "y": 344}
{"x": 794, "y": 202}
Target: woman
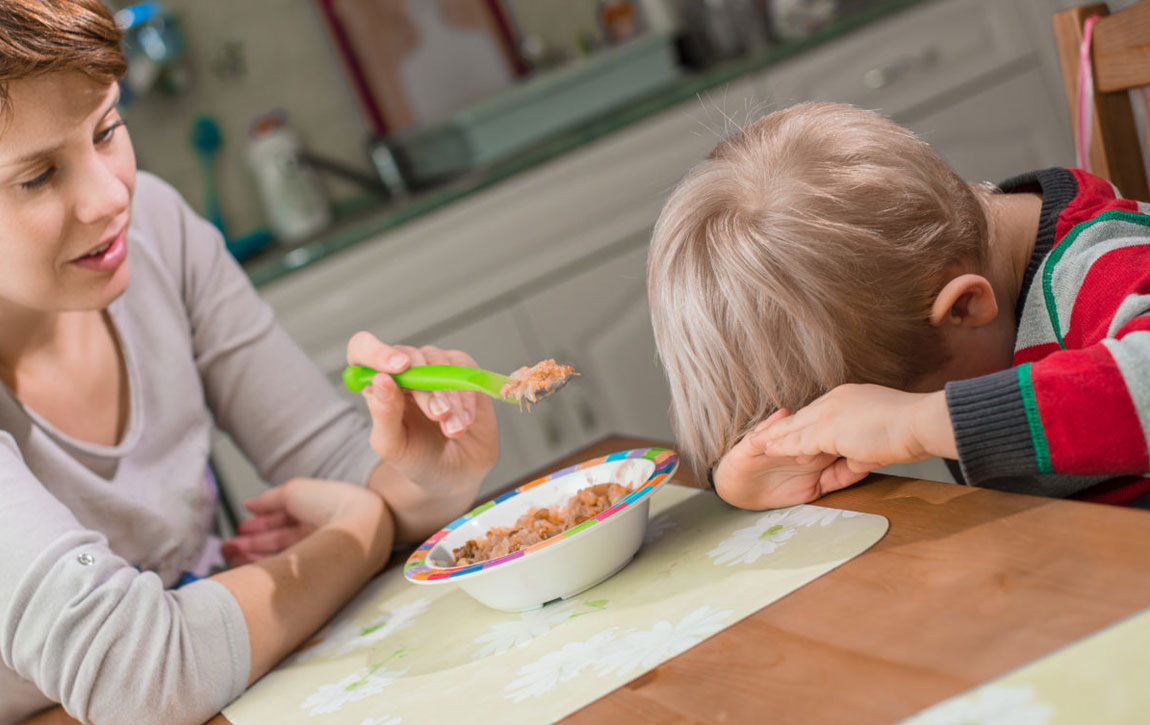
{"x": 125, "y": 330}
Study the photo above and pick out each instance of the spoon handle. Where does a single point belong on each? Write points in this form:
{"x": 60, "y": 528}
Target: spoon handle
{"x": 431, "y": 377}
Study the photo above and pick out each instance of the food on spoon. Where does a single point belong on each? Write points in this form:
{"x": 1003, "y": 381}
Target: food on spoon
{"x": 540, "y": 524}
{"x": 529, "y": 383}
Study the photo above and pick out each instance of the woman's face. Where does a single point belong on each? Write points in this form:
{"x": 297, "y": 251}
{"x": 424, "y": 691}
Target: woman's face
{"x": 67, "y": 173}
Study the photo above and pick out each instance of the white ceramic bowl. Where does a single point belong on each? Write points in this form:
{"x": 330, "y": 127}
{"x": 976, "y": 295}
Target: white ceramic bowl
{"x": 563, "y": 565}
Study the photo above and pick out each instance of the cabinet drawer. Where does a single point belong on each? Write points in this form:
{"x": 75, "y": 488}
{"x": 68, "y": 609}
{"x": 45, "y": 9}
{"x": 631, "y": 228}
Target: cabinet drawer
{"x": 918, "y": 55}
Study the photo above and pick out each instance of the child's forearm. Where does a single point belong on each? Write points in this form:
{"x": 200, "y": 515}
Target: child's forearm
{"x": 288, "y": 596}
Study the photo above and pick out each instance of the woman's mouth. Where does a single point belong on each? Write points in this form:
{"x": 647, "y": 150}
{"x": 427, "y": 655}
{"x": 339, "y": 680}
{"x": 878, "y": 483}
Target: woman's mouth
{"x": 107, "y": 256}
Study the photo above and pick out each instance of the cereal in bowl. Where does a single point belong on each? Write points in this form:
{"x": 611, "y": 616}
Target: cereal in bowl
{"x": 540, "y": 524}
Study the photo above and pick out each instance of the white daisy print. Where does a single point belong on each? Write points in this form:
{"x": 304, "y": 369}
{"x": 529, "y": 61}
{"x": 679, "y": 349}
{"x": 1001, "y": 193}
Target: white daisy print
{"x": 990, "y": 705}
{"x": 643, "y": 650}
{"x": 519, "y": 632}
{"x": 745, "y": 546}
{"x": 658, "y": 526}
{"x": 355, "y": 634}
{"x": 543, "y": 675}
{"x": 362, "y": 683}
{"x": 817, "y": 515}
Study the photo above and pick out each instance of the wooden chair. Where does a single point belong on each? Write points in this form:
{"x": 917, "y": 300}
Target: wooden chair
{"x": 1121, "y": 61}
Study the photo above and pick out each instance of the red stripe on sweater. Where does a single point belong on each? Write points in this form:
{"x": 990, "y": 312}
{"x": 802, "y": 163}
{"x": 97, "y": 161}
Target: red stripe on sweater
{"x": 1111, "y": 279}
{"x": 1117, "y": 491}
{"x": 1138, "y": 324}
{"x": 1034, "y": 353}
{"x": 1095, "y": 195}
{"x": 1087, "y": 414}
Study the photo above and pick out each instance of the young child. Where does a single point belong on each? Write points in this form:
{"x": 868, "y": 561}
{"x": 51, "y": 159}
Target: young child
{"x": 126, "y": 332}
{"x": 825, "y": 260}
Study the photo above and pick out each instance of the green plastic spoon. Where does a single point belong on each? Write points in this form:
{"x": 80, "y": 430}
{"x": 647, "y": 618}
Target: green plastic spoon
{"x": 443, "y": 377}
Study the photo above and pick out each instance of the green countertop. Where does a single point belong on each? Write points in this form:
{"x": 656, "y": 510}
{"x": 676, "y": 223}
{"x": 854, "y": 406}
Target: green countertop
{"x": 364, "y": 220}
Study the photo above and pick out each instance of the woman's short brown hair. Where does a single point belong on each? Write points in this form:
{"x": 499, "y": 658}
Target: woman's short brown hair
{"x": 38, "y": 37}
{"x": 804, "y": 253}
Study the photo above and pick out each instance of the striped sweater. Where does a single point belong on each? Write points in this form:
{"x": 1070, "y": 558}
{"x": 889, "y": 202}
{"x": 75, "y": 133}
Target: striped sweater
{"x": 1072, "y": 417}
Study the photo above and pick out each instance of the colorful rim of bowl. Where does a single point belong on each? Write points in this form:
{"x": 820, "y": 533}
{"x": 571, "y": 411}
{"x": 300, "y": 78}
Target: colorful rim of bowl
{"x": 418, "y": 570}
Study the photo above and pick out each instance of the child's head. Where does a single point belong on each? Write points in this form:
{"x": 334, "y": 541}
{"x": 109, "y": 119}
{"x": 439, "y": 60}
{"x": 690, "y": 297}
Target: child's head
{"x": 804, "y": 253}
{"x": 38, "y": 37}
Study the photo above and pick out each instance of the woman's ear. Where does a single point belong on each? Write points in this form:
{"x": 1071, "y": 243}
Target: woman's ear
{"x": 967, "y": 300}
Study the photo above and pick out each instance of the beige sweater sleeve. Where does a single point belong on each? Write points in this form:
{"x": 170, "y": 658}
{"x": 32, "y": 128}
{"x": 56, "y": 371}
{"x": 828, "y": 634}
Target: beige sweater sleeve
{"x": 93, "y": 633}
{"x": 263, "y": 391}
{"x": 92, "y": 539}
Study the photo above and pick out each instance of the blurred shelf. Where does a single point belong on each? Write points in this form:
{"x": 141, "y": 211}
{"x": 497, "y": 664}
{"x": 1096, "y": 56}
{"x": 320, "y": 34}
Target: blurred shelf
{"x": 362, "y": 220}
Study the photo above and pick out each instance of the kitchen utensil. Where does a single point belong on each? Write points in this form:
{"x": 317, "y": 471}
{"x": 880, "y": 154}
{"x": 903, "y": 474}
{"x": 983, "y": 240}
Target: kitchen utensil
{"x": 444, "y": 377}
{"x": 207, "y": 140}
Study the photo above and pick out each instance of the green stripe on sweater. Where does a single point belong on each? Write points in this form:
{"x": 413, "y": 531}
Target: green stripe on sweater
{"x": 1037, "y": 434}
{"x": 1060, "y": 250}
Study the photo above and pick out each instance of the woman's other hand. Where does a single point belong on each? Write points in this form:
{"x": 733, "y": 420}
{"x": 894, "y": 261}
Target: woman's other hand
{"x": 269, "y": 530}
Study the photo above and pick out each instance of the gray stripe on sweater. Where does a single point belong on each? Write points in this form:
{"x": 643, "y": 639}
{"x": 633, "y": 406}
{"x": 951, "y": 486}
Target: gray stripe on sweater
{"x": 1131, "y": 307}
{"x": 1070, "y": 271}
{"x": 1132, "y": 354}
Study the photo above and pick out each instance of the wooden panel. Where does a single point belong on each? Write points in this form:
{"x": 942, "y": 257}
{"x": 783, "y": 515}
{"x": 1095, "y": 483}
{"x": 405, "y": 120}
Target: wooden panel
{"x": 1122, "y": 49}
{"x": 968, "y": 584}
{"x": 1114, "y": 143}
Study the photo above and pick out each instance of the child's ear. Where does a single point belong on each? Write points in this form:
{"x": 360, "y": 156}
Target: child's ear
{"x": 968, "y": 299}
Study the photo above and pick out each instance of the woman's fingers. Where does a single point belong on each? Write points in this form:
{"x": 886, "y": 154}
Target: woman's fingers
{"x": 453, "y": 410}
{"x": 386, "y": 402}
{"x": 432, "y": 405}
{"x": 447, "y": 405}
{"x": 365, "y": 348}
{"x": 271, "y": 542}
{"x": 264, "y": 522}
{"x": 469, "y": 402}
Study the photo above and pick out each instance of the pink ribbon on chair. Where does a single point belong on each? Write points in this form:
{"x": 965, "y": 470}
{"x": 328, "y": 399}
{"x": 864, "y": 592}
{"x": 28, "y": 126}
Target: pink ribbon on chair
{"x": 1085, "y": 96}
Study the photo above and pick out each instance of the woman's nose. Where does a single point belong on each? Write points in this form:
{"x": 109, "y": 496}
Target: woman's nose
{"x": 100, "y": 191}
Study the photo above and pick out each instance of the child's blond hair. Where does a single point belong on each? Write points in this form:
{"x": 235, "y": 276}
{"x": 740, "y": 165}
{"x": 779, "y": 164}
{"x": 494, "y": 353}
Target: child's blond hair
{"x": 804, "y": 253}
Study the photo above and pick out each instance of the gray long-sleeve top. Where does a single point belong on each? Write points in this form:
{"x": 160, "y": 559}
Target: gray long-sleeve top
{"x": 93, "y": 538}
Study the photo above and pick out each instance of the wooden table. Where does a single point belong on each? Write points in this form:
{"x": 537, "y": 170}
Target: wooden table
{"x": 967, "y": 585}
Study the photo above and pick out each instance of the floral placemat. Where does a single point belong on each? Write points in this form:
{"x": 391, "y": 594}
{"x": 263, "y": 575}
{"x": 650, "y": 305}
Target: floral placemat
{"x": 1098, "y": 679}
{"x": 401, "y": 653}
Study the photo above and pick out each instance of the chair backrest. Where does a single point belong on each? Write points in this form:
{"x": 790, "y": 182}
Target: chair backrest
{"x": 1121, "y": 60}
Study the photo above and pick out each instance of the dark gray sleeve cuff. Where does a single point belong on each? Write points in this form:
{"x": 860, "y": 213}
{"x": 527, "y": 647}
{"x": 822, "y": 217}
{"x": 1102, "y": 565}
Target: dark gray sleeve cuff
{"x": 991, "y": 430}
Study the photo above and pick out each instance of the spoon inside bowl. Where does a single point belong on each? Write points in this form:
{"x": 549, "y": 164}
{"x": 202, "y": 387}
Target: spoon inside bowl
{"x": 527, "y": 384}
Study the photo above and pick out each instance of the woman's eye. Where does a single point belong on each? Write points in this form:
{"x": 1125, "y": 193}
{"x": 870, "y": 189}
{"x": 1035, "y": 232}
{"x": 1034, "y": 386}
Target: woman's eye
{"x": 106, "y": 135}
{"x": 39, "y": 180}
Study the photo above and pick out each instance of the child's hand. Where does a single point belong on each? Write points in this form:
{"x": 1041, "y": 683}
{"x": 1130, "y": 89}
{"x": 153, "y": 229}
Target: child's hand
{"x": 868, "y": 425}
{"x": 749, "y": 478}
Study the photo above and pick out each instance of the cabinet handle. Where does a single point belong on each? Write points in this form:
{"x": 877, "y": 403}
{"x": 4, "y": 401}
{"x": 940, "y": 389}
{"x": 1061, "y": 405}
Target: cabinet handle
{"x": 883, "y": 76}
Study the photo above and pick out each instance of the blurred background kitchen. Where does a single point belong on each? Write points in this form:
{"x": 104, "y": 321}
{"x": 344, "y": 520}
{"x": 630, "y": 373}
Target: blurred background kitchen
{"x": 484, "y": 174}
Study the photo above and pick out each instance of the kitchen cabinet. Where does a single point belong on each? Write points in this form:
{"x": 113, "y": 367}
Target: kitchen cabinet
{"x": 550, "y": 263}
{"x": 599, "y": 321}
